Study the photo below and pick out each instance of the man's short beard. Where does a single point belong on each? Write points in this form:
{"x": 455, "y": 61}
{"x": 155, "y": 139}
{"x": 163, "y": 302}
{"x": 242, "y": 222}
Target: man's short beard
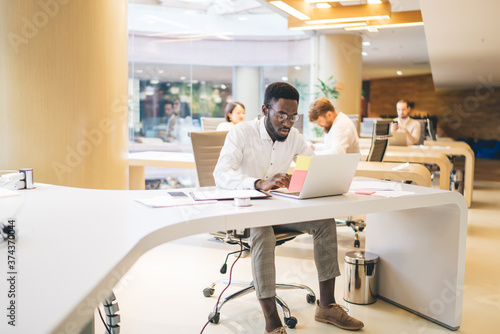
{"x": 270, "y": 128}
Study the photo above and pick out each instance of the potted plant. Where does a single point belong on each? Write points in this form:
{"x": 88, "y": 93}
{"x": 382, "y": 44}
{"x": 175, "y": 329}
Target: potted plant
{"x": 330, "y": 88}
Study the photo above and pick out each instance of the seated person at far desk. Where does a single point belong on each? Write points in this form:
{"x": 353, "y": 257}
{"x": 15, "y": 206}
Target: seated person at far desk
{"x": 403, "y": 123}
{"x": 170, "y": 119}
{"x": 234, "y": 113}
{"x": 341, "y": 135}
{"x": 257, "y": 155}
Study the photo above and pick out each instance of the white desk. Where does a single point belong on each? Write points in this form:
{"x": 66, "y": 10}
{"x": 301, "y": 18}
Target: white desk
{"x": 76, "y": 244}
{"x": 139, "y": 160}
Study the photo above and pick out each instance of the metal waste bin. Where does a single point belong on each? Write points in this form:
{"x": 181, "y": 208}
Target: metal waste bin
{"x": 360, "y": 277}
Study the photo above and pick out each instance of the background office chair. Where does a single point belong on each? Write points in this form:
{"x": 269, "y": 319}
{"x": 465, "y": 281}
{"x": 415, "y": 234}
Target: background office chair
{"x": 206, "y": 149}
{"x": 210, "y": 123}
{"x": 380, "y": 141}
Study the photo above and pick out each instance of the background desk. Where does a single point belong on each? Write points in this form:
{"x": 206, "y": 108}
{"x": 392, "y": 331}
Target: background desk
{"x": 138, "y": 161}
{"x": 449, "y": 148}
{"x": 76, "y": 244}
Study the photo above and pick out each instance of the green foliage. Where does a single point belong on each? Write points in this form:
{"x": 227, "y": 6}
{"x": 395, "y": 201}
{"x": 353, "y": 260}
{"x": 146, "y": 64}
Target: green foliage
{"x": 328, "y": 89}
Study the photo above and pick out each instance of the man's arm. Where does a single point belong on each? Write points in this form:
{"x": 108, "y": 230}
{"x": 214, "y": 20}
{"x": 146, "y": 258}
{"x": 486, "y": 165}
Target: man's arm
{"x": 226, "y": 172}
{"x": 414, "y": 133}
{"x": 280, "y": 180}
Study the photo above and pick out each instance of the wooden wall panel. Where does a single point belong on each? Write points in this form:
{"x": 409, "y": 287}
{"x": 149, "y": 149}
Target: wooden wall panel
{"x": 63, "y": 96}
{"x": 473, "y": 113}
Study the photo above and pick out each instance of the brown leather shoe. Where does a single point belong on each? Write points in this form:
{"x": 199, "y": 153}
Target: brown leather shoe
{"x": 279, "y": 330}
{"x": 337, "y": 315}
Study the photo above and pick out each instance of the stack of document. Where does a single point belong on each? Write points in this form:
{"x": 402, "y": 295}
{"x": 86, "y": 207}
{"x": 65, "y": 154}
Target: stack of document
{"x": 167, "y": 201}
{"x": 380, "y": 188}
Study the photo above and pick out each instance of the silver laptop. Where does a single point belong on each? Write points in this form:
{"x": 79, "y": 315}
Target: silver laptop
{"x": 328, "y": 175}
{"x": 398, "y": 138}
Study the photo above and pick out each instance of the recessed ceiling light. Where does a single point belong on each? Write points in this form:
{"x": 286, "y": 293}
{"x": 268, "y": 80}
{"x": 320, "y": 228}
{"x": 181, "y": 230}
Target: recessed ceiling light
{"x": 323, "y": 5}
{"x": 183, "y": 78}
{"x": 284, "y": 78}
{"x": 161, "y": 71}
{"x": 138, "y": 71}
{"x": 399, "y": 72}
{"x": 290, "y": 10}
{"x": 366, "y": 43}
{"x": 297, "y": 68}
{"x": 364, "y": 53}
{"x": 154, "y": 81}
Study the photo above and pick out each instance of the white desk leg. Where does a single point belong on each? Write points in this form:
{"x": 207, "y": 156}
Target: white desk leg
{"x": 421, "y": 260}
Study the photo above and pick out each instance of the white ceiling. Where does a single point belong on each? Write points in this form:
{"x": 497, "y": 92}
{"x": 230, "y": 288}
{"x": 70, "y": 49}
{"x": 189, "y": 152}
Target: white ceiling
{"x": 463, "y": 39}
{"x": 457, "y": 40}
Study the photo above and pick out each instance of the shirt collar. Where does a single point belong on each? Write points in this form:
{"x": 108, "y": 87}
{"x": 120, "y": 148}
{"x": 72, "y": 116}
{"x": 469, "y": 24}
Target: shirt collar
{"x": 264, "y": 135}
{"x": 405, "y": 120}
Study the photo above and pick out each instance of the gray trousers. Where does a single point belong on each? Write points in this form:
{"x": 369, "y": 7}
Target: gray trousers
{"x": 263, "y": 242}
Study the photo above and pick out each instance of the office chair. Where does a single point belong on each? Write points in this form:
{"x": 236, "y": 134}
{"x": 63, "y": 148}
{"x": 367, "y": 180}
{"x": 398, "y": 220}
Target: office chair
{"x": 210, "y": 123}
{"x": 430, "y": 129}
{"x": 206, "y": 149}
{"x": 423, "y": 132}
{"x": 380, "y": 141}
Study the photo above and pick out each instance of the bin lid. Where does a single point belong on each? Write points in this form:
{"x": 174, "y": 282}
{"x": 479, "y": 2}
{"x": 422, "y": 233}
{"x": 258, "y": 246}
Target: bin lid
{"x": 360, "y": 257}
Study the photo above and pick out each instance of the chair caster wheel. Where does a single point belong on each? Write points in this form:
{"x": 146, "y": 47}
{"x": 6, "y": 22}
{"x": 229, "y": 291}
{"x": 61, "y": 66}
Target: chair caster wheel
{"x": 291, "y": 322}
{"x": 214, "y": 317}
{"x": 356, "y": 243}
{"x": 310, "y": 298}
{"x": 207, "y": 292}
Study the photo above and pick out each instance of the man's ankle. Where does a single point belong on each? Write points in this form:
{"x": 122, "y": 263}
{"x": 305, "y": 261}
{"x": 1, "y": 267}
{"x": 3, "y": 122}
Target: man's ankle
{"x": 325, "y": 305}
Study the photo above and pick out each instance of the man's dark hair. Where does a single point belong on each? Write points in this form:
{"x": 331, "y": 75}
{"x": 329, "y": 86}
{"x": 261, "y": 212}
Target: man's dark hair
{"x": 409, "y": 104}
{"x": 280, "y": 90}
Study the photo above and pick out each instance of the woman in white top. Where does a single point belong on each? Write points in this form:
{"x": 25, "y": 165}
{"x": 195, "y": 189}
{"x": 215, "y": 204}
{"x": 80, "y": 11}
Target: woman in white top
{"x": 234, "y": 113}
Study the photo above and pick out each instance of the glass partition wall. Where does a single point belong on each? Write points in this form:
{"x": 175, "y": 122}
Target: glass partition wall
{"x": 183, "y": 65}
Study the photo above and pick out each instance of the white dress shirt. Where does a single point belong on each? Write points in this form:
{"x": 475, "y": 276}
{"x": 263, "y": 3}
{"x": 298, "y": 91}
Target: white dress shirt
{"x": 249, "y": 154}
{"x": 413, "y": 127}
{"x": 342, "y": 137}
{"x": 225, "y": 126}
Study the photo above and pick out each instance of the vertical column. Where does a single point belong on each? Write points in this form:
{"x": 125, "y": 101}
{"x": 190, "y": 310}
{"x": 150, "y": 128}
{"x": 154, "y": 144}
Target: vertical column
{"x": 247, "y": 90}
{"x": 340, "y": 55}
{"x": 63, "y": 96}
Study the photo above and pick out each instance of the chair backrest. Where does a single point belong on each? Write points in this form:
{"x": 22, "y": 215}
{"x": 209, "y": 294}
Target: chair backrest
{"x": 430, "y": 129}
{"x": 381, "y": 128}
{"x": 377, "y": 149}
{"x": 206, "y": 149}
{"x": 210, "y": 123}
{"x": 423, "y": 126}
{"x": 380, "y": 139}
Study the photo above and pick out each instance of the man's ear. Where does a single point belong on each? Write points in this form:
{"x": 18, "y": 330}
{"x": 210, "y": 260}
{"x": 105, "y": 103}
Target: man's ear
{"x": 264, "y": 110}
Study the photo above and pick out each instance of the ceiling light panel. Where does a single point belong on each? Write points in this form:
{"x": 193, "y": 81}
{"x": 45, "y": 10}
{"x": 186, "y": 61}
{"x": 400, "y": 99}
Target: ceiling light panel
{"x": 300, "y": 9}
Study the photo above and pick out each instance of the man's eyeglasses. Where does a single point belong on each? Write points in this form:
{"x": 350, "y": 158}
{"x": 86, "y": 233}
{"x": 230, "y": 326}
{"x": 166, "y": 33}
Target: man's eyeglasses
{"x": 283, "y": 117}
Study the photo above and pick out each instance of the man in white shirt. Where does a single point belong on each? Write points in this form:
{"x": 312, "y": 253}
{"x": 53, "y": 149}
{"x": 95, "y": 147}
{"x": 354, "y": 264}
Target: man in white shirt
{"x": 341, "y": 134}
{"x": 405, "y": 124}
{"x": 257, "y": 155}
